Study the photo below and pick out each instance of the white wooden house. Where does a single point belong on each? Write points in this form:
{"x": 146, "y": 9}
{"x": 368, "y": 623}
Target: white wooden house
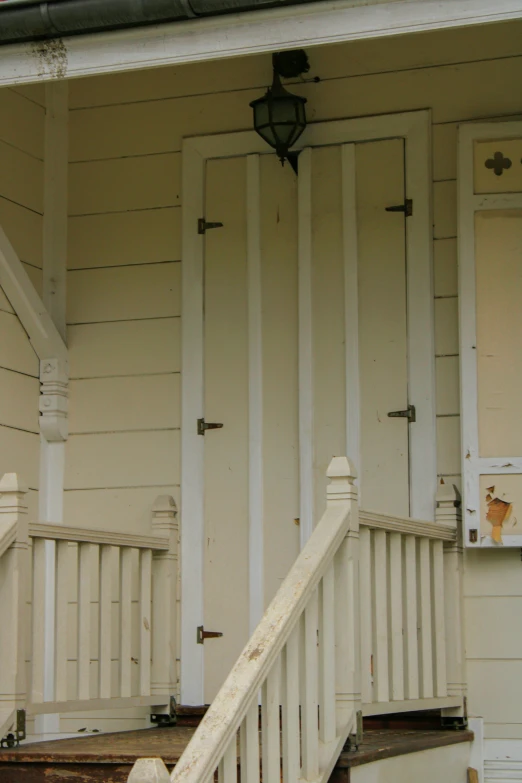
{"x": 312, "y": 311}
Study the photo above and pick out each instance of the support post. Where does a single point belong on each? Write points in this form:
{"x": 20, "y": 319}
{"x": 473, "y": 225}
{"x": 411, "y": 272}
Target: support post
{"x": 165, "y": 654}
{"x": 14, "y": 572}
{"x": 449, "y": 513}
{"x": 342, "y": 490}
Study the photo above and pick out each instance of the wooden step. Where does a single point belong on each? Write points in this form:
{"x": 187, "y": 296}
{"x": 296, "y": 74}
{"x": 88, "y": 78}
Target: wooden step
{"x": 109, "y": 757}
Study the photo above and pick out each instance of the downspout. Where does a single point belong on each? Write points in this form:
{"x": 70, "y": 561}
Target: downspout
{"x": 30, "y": 20}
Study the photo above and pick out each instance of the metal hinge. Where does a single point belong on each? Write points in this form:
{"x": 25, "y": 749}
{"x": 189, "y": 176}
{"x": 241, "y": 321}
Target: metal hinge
{"x": 203, "y": 225}
{"x": 13, "y": 738}
{"x": 407, "y": 208}
{"x": 202, "y": 634}
{"x": 203, "y": 426}
{"x": 409, "y": 414}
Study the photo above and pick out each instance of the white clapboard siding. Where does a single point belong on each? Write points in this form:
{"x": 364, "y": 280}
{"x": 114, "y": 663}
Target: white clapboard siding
{"x": 22, "y": 177}
{"x": 19, "y": 453}
{"x": 35, "y": 276}
{"x": 5, "y": 305}
{"x": 447, "y": 378}
{"x": 19, "y": 400}
{"x": 121, "y": 184}
{"x": 16, "y": 352}
{"x": 118, "y": 294}
{"x": 445, "y": 209}
{"x": 124, "y": 403}
{"x": 128, "y": 509}
{"x": 448, "y": 445}
{"x": 24, "y": 230}
{"x": 123, "y": 459}
{"x": 350, "y": 59}
{"x": 26, "y": 123}
{"x": 446, "y": 327}
{"x": 124, "y": 348}
{"x": 122, "y": 238}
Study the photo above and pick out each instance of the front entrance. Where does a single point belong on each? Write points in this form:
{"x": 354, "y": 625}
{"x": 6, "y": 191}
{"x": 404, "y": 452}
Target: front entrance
{"x": 306, "y": 352}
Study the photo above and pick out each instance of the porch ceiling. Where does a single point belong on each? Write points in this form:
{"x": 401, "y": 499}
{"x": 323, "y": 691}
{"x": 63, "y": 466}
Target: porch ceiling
{"x": 310, "y": 24}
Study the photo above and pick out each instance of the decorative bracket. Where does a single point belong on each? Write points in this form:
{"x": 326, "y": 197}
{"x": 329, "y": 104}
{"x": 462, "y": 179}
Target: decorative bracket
{"x": 54, "y": 400}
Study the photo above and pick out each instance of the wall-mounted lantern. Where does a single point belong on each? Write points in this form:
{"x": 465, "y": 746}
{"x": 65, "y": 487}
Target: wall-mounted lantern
{"x": 280, "y": 116}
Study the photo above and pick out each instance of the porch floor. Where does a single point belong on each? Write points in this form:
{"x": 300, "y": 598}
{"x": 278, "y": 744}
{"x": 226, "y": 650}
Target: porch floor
{"x": 109, "y": 757}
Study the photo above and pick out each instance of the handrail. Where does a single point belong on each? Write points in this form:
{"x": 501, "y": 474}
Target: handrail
{"x": 223, "y": 719}
{"x": 7, "y": 535}
{"x": 94, "y": 536}
{"x": 407, "y": 526}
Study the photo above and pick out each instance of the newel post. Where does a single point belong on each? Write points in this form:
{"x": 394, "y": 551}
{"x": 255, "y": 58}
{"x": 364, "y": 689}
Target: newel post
{"x": 342, "y": 493}
{"x": 164, "y": 680}
{"x": 449, "y": 513}
{"x": 14, "y": 566}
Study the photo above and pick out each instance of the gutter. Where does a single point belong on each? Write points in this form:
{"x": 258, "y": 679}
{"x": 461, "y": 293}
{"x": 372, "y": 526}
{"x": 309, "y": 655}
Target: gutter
{"x": 31, "y": 20}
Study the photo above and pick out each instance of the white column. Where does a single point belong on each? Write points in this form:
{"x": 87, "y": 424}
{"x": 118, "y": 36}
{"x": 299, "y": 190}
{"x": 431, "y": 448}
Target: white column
{"x": 165, "y": 607}
{"x": 53, "y": 372}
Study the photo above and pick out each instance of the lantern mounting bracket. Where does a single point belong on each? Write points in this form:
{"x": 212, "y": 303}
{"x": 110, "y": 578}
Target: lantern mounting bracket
{"x": 290, "y": 64}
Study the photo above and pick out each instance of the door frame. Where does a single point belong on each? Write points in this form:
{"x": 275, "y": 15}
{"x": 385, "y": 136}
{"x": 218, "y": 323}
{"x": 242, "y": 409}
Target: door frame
{"x": 415, "y": 128}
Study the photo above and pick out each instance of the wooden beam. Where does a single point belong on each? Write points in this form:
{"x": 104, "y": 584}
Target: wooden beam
{"x": 43, "y": 334}
{"x": 234, "y": 35}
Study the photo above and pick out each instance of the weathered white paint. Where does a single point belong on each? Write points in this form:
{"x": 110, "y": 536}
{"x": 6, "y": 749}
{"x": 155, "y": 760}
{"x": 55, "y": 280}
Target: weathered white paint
{"x": 255, "y": 392}
{"x": 241, "y": 34}
{"x": 473, "y": 464}
{"x": 413, "y": 127}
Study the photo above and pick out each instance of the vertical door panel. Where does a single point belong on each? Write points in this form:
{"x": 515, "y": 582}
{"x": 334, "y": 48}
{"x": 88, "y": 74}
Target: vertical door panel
{"x": 382, "y": 327}
{"x": 280, "y": 387}
{"x": 226, "y": 401}
{"x": 329, "y": 392}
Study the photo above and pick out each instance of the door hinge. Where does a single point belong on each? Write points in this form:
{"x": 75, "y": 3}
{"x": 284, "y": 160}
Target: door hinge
{"x": 409, "y": 414}
{"x": 203, "y": 426}
{"x": 13, "y": 738}
{"x": 202, "y": 634}
{"x": 407, "y": 208}
{"x": 204, "y": 225}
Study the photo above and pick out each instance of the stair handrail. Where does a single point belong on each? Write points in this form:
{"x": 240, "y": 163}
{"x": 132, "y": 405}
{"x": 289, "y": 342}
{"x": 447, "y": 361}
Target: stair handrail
{"x": 218, "y": 729}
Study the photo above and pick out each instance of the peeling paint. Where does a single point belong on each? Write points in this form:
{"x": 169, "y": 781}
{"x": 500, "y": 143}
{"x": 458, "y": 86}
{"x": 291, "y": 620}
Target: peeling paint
{"x": 51, "y": 57}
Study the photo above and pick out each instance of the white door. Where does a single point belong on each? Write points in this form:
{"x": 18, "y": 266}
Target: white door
{"x": 252, "y": 471}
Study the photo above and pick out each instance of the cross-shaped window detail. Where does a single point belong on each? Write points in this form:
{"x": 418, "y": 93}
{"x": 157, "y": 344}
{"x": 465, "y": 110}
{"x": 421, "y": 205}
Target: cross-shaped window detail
{"x": 498, "y": 163}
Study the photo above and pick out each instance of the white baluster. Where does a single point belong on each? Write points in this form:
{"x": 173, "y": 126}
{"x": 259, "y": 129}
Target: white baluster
{"x": 290, "y": 695}
{"x": 85, "y": 560}
{"x": 439, "y": 629}
{"x": 227, "y": 772}
{"x": 309, "y": 702}
{"x": 366, "y": 602}
{"x": 249, "y": 738}
{"x": 125, "y": 620}
{"x": 61, "y": 621}
{"x": 327, "y": 701}
{"x": 105, "y": 626}
{"x": 270, "y": 724}
{"x": 396, "y": 621}
{"x": 380, "y": 664}
{"x": 38, "y": 625}
{"x": 145, "y": 620}
{"x": 410, "y": 616}
{"x": 13, "y": 584}
{"x": 425, "y": 617}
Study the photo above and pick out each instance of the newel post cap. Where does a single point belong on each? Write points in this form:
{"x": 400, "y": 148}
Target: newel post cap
{"x": 149, "y": 771}
{"x": 164, "y": 505}
{"x": 342, "y": 475}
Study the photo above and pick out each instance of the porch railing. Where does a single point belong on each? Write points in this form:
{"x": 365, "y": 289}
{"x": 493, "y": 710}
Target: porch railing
{"x": 115, "y": 616}
{"x": 364, "y": 623}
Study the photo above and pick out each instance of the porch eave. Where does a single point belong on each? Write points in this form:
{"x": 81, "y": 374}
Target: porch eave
{"x": 313, "y": 24}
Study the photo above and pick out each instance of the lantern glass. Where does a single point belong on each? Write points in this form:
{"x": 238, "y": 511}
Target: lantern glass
{"x": 279, "y": 117}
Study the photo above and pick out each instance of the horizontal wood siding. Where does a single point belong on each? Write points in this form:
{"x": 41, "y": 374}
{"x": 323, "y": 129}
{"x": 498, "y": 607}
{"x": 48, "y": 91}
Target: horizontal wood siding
{"x": 124, "y": 252}
{"x": 21, "y": 207}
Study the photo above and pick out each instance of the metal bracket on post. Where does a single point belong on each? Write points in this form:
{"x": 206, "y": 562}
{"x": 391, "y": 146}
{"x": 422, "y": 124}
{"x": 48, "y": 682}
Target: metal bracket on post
{"x": 13, "y": 738}
{"x": 354, "y": 740}
{"x": 166, "y": 718}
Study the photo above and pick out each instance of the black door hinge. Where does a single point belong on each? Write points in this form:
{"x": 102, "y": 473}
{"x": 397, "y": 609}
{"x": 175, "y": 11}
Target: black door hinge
{"x": 407, "y": 208}
{"x": 202, "y": 634}
{"x": 204, "y": 225}
{"x": 409, "y": 414}
{"x": 203, "y": 426}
